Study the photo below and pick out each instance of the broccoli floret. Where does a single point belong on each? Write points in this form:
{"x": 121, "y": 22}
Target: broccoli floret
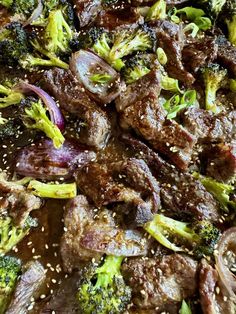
{"x": 6, "y": 3}
{"x": 229, "y": 17}
{"x": 127, "y": 42}
{"x": 101, "y": 45}
{"x": 22, "y": 7}
{"x": 222, "y": 192}
{"x": 36, "y": 117}
{"x": 58, "y": 34}
{"x": 8, "y": 96}
{"x": 13, "y": 44}
{"x": 58, "y": 191}
{"x": 202, "y": 236}
{"x": 10, "y": 268}
{"x": 135, "y": 68}
{"x": 213, "y": 77}
{"x": 7, "y": 128}
{"x": 11, "y": 234}
{"x": 157, "y": 11}
{"x": 212, "y": 7}
{"x": 50, "y": 5}
{"x": 103, "y": 290}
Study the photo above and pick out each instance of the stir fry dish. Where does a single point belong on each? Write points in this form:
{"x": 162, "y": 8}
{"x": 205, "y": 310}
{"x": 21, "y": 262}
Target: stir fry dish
{"x": 118, "y": 157}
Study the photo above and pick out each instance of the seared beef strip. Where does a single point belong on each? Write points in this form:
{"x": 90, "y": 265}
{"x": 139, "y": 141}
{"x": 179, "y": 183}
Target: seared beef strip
{"x": 90, "y": 233}
{"x": 102, "y": 184}
{"x": 170, "y": 38}
{"x": 43, "y": 161}
{"x": 73, "y": 98}
{"x": 87, "y": 10}
{"x": 142, "y": 112}
{"x": 181, "y": 194}
{"x": 212, "y": 301}
{"x": 113, "y": 17}
{"x": 16, "y": 200}
{"x": 210, "y": 127}
{"x": 226, "y": 54}
{"x": 28, "y": 288}
{"x": 64, "y": 299}
{"x": 199, "y": 53}
{"x": 161, "y": 283}
{"x": 220, "y": 162}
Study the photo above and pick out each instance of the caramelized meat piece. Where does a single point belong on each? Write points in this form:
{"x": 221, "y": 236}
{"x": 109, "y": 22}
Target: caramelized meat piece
{"x": 43, "y": 161}
{"x": 142, "y": 112}
{"x": 171, "y": 39}
{"x": 161, "y": 283}
{"x": 64, "y": 299}
{"x": 208, "y": 127}
{"x": 120, "y": 16}
{"x": 212, "y": 302}
{"x": 87, "y": 10}
{"x": 226, "y": 54}
{"x": 89, "y": 235}
{"x": 16, "y": 200}
{"x": 107, "y": 184}
{"x": 73, "y": 98}
{"x": 220, "y": 162}
{"x": 199, "y": 53}
{"x": 27, "y": 288}
{"x": 185, "y": 196}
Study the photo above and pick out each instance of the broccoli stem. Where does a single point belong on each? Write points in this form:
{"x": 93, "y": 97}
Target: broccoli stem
{"x": 38, "y": 113}
{"x": 157, "y": 11}
{"x": 162, "y": 226}
{"x": 11, "y": 97}
{"x": 10, "y": 234}
{"x": 48, "y": 190}
{"x": 58, "y": 33}
{"x": 231, "y": 24}
{"x": 108, "y": 270}
{"x": 6, "y": 3}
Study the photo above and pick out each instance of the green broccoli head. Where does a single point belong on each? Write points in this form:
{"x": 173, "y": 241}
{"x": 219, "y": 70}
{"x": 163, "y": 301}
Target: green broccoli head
{"x": 41, "y": 58}
{"x": 36, "y": 117}
{"x": 229, "y": 17}
{"x": 10, "y": 268}
{"x": 7, "y": 128}
{"x": 201, "y": 237}
{"x": 213, "y": 77}
{"x": 212, "y": 7}
{"x": 103, "y": 290}
{"x": 24, "y": 7}
{"x": 86, "y": 39}
{"x": 157, "y": 11}
{"x": 209, "y": 236}
{"x": 129, "y": 41}
{"x": 11, "y": 234}
{"x": 8, "y": 96}
{"x": 135, "y": 68}
{"x": 6, "y": 3}
{"x": 13, "y": 44}
{"x": 58, "y": 34}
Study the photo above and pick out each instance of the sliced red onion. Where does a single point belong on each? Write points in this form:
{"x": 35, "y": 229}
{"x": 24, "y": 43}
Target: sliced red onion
{"x": 84, "y": 65}
{"x": 44, "y": 161}
{"x": 54, "y": 111}
{"x": 35, "y": 14}
{"x": 227, "y": 243}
